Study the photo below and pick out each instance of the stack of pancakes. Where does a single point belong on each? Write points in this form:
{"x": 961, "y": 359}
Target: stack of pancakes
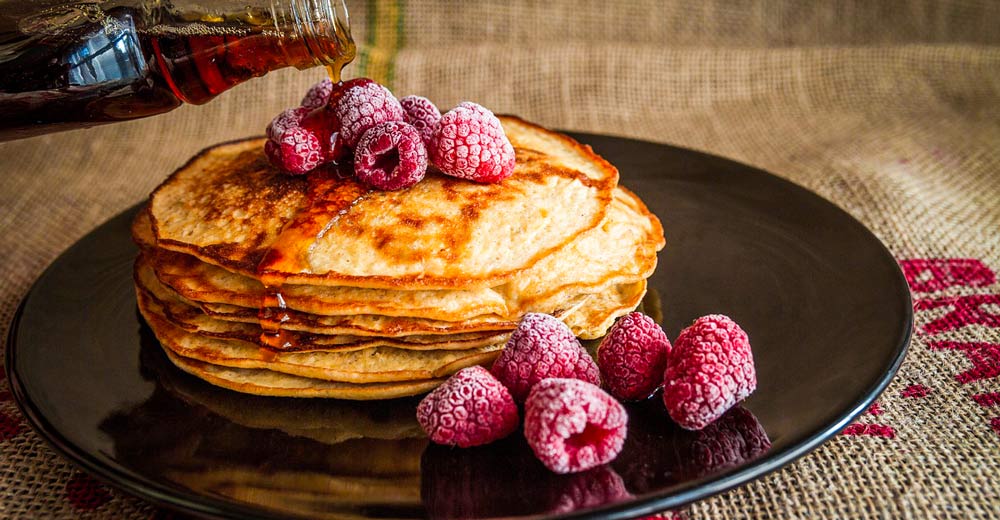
{"x": 316, "y": 286}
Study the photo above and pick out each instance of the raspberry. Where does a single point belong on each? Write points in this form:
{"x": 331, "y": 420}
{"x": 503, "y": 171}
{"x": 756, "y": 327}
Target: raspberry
{"x": 470, "y": 143}
{"x": 296, "y": 140}
{"x": 286, "y": 120}
{"x": 572, "y": 425}
{"x": 423, "y": 115}
{"x": 390, "y": 156}
{"x": 737, "y": 437}
{"x": 632, "y": 357}
{"x": 360, "y": 105}
{"x": 318, "y": 95}
{"x": 710, "y": 370}
{"x": 471, "y": 408}
{"x": 542, "y": 347}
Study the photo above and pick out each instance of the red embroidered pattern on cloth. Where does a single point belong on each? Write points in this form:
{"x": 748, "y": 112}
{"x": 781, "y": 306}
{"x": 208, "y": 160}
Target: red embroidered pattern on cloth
{"x": 85, "y": 493}
{"x": 10, "y": 425}
{"x": 930, "y": 275}
{"x": 926, "y": 275}
{"x": 966, "y": 310}
{"x": 915, "y": 391}
{"x": 871, "y": 430}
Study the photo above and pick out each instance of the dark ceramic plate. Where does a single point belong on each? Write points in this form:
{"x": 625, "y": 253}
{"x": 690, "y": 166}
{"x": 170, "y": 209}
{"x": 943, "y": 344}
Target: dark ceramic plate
{"x": 826, "y": 307}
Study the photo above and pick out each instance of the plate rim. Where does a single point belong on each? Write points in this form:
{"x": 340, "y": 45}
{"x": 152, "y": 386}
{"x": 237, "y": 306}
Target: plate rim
{"x": 650, "y": 503}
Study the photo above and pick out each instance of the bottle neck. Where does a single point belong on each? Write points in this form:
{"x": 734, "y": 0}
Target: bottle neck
{"x": 323, "y": 28}
{"x": 201, "y": 54}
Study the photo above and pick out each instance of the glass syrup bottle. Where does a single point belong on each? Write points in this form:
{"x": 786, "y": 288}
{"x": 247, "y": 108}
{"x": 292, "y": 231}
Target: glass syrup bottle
{"x": 71, "y": 64}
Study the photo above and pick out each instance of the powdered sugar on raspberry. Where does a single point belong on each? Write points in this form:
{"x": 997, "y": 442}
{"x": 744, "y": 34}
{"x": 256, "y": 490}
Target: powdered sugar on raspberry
{"x": 471, "y": 408}
{"x": 362, "y": 106}
{"x": 542, "y": 347}
{"x": 286, "y": 120}
{"x": 297, "y": 140}
{"x": 318, "y": 95}
{"x": 423, "y": 115}
{"x": 298, "y": 151}
{"x": 470, "y": 144}
{"x": 572, "y": 425}
{"x": 633, "y": 356}
{"x": 710, "y": 370}
{"x": 390, "y": 156}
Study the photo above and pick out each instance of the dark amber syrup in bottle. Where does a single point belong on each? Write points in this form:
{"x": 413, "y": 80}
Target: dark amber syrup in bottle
{"x": 117, "y": 65}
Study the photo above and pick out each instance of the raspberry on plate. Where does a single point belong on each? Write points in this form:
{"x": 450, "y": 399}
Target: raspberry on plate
{"x": 470, "y": 144}
{"x": 360, "y": 105}
{"x": 572, "y": 425}
{"x": 542, "y": 347}
{"x": 632, "y": 357}
{"x": 709, "y": 370}
{"x": 390, "y": 156}
{"x": 471, "y": 408}
{"x": 423, "y": 115}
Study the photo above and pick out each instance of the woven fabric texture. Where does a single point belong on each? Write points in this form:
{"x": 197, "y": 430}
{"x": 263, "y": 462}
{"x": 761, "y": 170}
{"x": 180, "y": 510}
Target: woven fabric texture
{"x": 891, "y": 110}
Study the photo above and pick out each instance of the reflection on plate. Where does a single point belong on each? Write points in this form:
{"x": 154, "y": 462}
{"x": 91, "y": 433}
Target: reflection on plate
{"x": 309, "y": 455}
{"x": 825, "y": 305}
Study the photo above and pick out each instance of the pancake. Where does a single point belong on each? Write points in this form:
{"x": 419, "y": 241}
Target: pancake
{"x": 379, "y": 294}
{"x": 617, "y": 253}
{"x": 204, "y": 282}
{"x": 621, "y": 250}
{"x": 189, "y": 317}
{"x": 276, "y": 384}
{"x": 371, "y": 365}
{"x": 228, "y": 206}
{"x": 617, "y": 301}
{"x": 611, "y": 302}
{"x": 620, "y": 297}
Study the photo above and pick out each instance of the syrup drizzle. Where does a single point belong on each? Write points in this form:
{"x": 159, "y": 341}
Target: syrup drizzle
{"x": 331, "y": 193}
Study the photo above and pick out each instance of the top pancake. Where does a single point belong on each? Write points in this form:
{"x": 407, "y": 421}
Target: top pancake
{"x": 229, "y": 207}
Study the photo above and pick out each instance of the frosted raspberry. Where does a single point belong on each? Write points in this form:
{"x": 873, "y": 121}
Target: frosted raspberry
{"x": 709, "y": 370}
{"x": 542, "y": 347}
{"x": 632, "y": 357}
{"x": 297, "y": 152}
{"x": 360, "y": 106}
{"x": 572, "y": 425}
{"x": 470, "y": 143}
{"x": 318, "y": 95}
{"x": 471, "y": 408}
{"x": 286, "y": 120}
{"x": 390, "y": 156}
{"x": 423, "y": 115}
{"x": 297, "y": 140}
{"x": 736, "y": 438}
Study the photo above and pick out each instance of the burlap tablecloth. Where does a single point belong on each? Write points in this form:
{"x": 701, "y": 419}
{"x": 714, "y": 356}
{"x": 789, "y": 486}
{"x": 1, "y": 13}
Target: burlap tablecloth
{"x": 889, "y": 109}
